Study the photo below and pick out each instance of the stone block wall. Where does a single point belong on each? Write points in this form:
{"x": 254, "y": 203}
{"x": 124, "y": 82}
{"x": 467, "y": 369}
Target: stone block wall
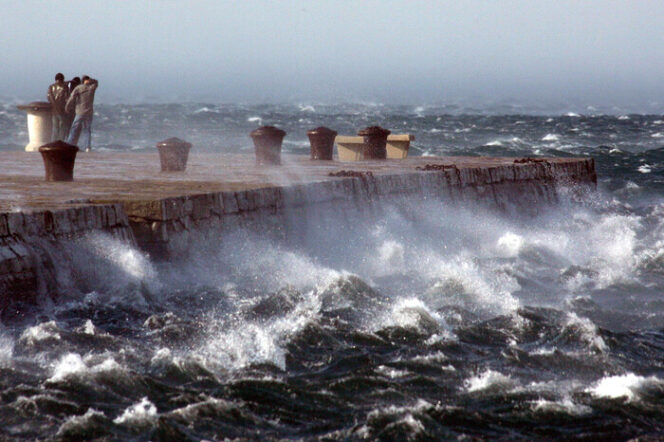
{"x": 161, "y": 227}
{"x": 22, "y": 259}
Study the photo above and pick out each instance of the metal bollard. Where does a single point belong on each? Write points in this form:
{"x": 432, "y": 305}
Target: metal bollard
{"x": 375, "y": 141}
{"x": 322, "y": 143}
{"x": 173, "y": 154}
{"x": 59, "y": 158}
{"x": 267, "y": 144}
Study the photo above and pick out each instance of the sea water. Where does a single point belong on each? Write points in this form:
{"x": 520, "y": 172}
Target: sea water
{"x": 411, "y": 319}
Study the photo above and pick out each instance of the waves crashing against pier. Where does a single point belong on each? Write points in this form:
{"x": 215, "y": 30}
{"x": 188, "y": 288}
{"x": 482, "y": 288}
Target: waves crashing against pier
{"x": 344, "y": 314}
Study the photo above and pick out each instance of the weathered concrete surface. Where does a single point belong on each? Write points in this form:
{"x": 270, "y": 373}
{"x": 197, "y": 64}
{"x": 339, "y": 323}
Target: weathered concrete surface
{"x": 126, "y": 195}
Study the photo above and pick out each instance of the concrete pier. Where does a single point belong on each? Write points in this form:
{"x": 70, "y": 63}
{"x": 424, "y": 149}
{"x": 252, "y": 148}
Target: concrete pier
{"x": 127, "y": 196}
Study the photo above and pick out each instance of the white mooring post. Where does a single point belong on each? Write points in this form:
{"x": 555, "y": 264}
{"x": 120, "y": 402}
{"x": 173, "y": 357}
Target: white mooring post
{"x": 40, "y": 125}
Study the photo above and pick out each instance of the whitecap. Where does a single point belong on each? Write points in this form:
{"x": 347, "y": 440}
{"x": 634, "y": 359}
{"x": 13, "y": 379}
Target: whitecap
{"x": 510, "y": 244}
{"x": 192, "y": 412}
{"x": 403, "y": 416}
{"x": 566, "y": 406}
{"x": 623, "y": 117}
{"x": 645, "y": 168}
{"x": 588, "y": 331}
{"x": 258, "y": 120}
{"x": 39, "y": 333}
{"x": 390, "y": 372}
{"x": 628, "y": 386}
{"x": 204, "y": 109}
{"x": 572, "y": 114}
{"x": 73, "y": 365}
{"x": 141, "y": 414}
{"x": 75, "y": 426}
{"x": 550, "y": 137}
{"x": 488, "y": 380}
{"x": 88, "y": 328}
{"x": 494, "y": 143}
{"x": 657, "y": 135}
{"x": 307, "y": 108}
{"x": 70, "y": 364}
{"x": 413, "y": 313}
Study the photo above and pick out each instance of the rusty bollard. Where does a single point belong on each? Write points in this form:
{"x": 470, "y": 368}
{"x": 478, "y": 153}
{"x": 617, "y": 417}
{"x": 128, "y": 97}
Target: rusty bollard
{"x": 322, "y": 143}
{"x": 375, "y": 141}
{"x": 59, "y": 158}
{"x": 173, "y": 154}
{"x": 267, "y": 143}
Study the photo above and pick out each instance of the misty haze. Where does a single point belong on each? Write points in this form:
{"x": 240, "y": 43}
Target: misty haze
{"x": 551, "y": 55}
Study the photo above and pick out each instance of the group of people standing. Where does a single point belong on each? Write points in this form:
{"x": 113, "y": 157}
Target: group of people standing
{"x": 71, "y": 107}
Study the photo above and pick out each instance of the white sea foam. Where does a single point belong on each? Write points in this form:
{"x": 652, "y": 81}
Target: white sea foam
{"x": 624, "y": 117}
{"x": 628, "y": 386}
{"x": 510, "y": 244}
{"x": 89, "y": 328}
{"x": 74, "y": 424}
{"x": 460, "y": 280}
{"x": 566, "y": 405}
{"x": 404, "y": 416}
{"x": 572, "y": 114}
{"x": 550, "y": 137}
{"x": 645, "y": 168}
{"x": 39, "y": 333}
{"x": 658, "y": 135}
{"x": 6, "y": 349}
{"x": 306, "y": 108}
{"x": 193, "y": 411}
{"x": 70, "y": 364}
{"x": 256, "y": 119}
{"x": 110, "y": 265}
{"x": 236, "y": 344}
{"x": 390, "y": 372}
{"x": 588, "y": 331}
{"x": 488, "y": 380}
{"x": 203, "y": 109}
{"x": 605, "y": 244}
{"x": 73, "y": 365}
{"x": 413, "y": 313}
{"x": 141, "y": 414}
{"x": 390, "y": 256}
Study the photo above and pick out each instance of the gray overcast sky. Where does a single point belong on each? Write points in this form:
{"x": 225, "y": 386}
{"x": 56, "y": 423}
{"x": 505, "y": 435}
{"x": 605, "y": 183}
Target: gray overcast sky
{"x": 416, "y": 51}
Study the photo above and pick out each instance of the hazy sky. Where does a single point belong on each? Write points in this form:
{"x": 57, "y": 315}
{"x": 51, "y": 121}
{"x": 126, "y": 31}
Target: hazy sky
{"x": 604, "y": 52}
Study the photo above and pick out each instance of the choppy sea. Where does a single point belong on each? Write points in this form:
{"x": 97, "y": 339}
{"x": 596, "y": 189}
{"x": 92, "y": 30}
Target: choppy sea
{"x": 412, "y": 320}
